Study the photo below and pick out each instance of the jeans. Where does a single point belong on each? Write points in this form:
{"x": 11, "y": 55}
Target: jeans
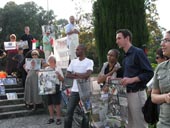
{"x": 73, "y": 102}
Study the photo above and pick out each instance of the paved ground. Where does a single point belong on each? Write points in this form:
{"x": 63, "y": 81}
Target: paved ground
{"x": 36, "y": 121}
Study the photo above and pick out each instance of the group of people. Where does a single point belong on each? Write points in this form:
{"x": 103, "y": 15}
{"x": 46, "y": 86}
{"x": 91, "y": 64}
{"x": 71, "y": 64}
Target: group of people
{"x": 135, "y": 71}
{"x": 16, "y": 61}
{"x": 15, "y": 56}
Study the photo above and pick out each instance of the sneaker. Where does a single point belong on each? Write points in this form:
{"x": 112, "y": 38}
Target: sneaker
{"x": 50, "y": 121}
{"x": 58, "y": 122}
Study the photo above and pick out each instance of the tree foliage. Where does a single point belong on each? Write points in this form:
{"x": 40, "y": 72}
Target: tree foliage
{"x": 155, "y": 31}
{"x": 85, "y": 22}
{"x": 13, "y": 19}
{"x": 111, "y": 15}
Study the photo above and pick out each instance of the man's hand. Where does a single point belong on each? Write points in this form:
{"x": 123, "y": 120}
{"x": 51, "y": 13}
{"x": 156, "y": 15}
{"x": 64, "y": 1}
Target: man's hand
{"x": 125, "y": 81}
{"x": 75, "y": 31}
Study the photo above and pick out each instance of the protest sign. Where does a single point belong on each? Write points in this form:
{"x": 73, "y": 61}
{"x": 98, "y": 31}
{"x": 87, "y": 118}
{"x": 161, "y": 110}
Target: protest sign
{"x": 33, "y": 64}
{"x": 110, "y": 109}
{"x": 118, "y": 104}
{"x": 12, "y": 96}
{"x": 61, "y": 52}
{"x": 8, "y": 81}
{"x": 9, "y": 45}
{"x": 2, "y": 89}
{"x": 22, "y": 44}
{"x": 84, "y": 87}
{"x": 47, "y": 82}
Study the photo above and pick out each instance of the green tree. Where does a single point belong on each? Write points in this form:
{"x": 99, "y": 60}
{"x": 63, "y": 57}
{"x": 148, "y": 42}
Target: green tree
{"x": 110, "y": 15}
{"x": 61, "y": 23}
{"x": 13, "y": 19}
{"x": 155, "y": 31}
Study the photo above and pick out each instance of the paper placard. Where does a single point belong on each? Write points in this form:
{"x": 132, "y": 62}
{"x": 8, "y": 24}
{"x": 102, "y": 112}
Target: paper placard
{"x": 118, "y": 105}
{"x": 33, "y": 64}
{"x": 2, "y": 90}
{"x": 8, "y": 81}
{"x": 9, "y": 45}
{"x": 62, "y": 52}
{"x": 23, "y": 44}
{"x": 12, "y": 96}
{"x": 47, "y": 80}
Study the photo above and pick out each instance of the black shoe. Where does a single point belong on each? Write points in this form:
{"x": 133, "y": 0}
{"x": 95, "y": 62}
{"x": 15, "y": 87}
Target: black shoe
{"x": 50, "y": 121}
{"x": 27, "y": 106}
{"x": 34, "y": 107}
{"x": 58, "y": 122}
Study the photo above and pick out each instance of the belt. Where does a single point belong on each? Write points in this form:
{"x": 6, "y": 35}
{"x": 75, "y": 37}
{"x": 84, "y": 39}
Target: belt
{"x": 135, "y": 90}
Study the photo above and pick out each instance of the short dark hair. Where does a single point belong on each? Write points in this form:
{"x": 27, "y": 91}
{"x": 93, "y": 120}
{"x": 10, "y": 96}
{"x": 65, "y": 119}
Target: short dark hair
{"x": 168, "y": 32}
{"x": 125, "y": 33}
{"x": 20, "y": 48}
{"x": 83, "y": 47}
{"x": 160, "y": 53}
{"x": 117, "y": 53}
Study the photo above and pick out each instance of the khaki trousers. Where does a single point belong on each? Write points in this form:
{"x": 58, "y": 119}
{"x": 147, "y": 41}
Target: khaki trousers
{"x": 135, "y": 103}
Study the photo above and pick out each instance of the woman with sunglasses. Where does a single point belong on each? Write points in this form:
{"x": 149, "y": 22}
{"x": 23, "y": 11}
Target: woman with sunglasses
{"x": 31, "y": 95}
{"x": 159, "y": 59}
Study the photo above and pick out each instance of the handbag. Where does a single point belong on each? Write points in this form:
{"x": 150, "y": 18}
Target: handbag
{"x": 150, "y": 111}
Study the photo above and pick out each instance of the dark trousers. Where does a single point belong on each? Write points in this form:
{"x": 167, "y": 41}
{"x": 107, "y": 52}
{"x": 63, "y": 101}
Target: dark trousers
{"x": 73, "y": 102}
{"x": 24, "y": 75}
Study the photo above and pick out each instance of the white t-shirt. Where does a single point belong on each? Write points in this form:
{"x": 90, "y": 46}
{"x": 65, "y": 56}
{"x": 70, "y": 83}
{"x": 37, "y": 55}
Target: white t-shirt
{"x": 79, "y": 67}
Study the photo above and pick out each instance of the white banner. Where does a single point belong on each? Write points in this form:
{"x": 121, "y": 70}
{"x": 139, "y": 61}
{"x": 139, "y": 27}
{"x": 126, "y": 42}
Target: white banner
{"x": 61, "y": 52}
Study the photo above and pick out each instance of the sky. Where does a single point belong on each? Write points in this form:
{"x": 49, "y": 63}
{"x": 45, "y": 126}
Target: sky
{"x": 61, "y": 8}
{"x": 163, "y": 11}
{"x": 65, "y": 8}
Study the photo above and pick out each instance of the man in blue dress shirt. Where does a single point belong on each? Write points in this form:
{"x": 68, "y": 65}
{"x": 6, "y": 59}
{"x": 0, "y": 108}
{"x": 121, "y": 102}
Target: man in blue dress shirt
{"x": 137, "y": 72}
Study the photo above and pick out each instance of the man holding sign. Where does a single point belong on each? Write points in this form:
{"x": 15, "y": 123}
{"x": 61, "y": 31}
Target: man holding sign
{"x": 27, "y": 37}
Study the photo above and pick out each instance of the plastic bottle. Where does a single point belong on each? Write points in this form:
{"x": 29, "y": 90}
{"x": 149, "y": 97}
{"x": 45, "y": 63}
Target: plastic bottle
{"x": 88, "y": 104}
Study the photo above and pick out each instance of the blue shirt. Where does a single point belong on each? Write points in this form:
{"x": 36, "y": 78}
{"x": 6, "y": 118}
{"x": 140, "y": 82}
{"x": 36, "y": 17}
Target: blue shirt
{"x": 135, "y": 64}
{"x": 69, "y": 27}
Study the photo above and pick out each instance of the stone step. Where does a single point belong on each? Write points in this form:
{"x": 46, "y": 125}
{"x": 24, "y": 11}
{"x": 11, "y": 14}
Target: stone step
{"x": 13, "y": 86}
{"x": 9, "y": 102}
{"x": 15, "y": 107}
{"x": 20, "y": 95}
{"x": 21, "y": 113}
{"x": 17, "y": 90}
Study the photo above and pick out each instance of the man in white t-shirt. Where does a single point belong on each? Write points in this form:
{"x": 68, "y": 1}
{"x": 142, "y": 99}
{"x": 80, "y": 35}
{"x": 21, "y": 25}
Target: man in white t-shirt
{"x": 72, "y": 31}
{"x": 80, "y": 68}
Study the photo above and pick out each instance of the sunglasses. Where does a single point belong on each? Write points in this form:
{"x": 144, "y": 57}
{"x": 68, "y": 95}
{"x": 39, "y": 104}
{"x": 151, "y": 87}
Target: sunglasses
{"x": 157, "y": 57}
{"x": 34, "y": 55}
